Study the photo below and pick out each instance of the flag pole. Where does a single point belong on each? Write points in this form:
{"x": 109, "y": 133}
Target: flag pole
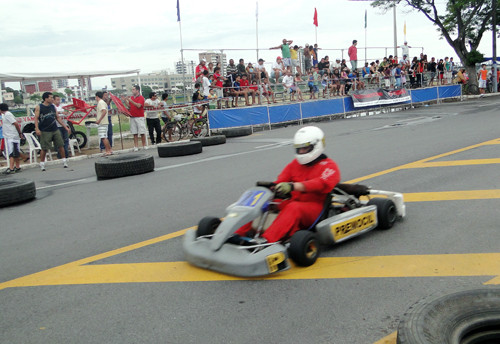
{"x": 257, "y": 28}
{"x": 182, "y": 54}
{"x": 366, "y": 43}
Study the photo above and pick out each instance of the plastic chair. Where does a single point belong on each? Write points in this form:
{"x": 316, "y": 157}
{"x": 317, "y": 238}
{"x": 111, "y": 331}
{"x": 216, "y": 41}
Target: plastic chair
{"x": 72, "y": 144}
{"x": 34, "y": 147}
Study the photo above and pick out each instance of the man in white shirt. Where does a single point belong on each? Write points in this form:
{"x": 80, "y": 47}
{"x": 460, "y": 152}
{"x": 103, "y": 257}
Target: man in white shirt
{"x": 12, "y": 135}
{"x": 102, "y": 122}
{"x": 64, "y": 133}
{"x": 278, "y": 69}
{"x": 261, "y": 69}
{"x": 151, "y": 105}
{"x": 205, "y": 84}
{"x": 289, "y": 84}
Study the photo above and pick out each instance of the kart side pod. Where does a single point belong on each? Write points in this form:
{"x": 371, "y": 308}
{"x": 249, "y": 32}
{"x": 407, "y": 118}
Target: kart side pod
{"x": 232, "y": 259}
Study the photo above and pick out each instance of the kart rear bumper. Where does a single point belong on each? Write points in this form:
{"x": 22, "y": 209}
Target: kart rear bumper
{"x": 232, "y": 259}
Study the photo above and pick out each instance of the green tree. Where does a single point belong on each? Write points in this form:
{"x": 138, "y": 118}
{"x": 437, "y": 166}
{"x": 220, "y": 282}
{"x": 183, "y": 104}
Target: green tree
{"x": 462, "y": 24}
{"x": 146, "y": 90}
{"x": 18, "y": 100}
{"x": 59, "y": 94}
{"x": 36, "y": 97}
{"x": 68, "y": 92}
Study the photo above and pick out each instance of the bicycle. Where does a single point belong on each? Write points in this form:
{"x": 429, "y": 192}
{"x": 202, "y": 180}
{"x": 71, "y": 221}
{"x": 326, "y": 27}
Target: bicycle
{"x": 470, "y": 89}
{"x": 184, "y": 125}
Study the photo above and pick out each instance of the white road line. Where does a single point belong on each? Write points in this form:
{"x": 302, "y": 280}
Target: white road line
{"x": 219, "y": 157}
{"x": 66, "y": 183}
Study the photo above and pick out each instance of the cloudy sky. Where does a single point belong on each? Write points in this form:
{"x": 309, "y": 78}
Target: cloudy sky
{"x": 62, "y": 35}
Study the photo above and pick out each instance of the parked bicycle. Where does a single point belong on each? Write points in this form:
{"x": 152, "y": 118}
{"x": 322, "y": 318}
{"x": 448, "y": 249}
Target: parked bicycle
{"x": 185, "y": 125}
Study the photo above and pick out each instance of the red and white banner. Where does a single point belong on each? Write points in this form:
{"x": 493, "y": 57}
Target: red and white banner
{"x": 379, "y": 96}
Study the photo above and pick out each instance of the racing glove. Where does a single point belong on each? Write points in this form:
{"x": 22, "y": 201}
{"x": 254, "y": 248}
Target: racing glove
{"x": 283, "y": 189}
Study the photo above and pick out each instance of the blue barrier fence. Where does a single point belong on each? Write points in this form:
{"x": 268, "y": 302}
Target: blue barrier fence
{"x": 259, "y": 115}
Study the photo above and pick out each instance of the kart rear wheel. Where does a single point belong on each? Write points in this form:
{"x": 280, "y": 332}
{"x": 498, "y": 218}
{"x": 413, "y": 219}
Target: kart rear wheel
{"x": 207, "y": 226}
{"x": 386, "y": 212}
{"x": 304, "y": 248}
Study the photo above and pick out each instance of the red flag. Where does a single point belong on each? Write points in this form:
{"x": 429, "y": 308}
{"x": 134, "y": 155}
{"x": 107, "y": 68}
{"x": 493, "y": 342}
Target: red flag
{"x": 315, "y": 19}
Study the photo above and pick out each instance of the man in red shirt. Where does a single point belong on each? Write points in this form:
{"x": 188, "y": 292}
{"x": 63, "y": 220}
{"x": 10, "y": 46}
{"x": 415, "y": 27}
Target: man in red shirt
{"x": 307, "y": 180}
{"x": 353, "y": 55}
{"x": 219, "y": 86}
{"x": 245, "y": 87}
{"x": 200, "y": 68}
{"x": 137, "y": 120}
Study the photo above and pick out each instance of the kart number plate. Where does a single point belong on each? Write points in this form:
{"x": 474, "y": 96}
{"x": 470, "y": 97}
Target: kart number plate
{"x": 250, "y": 198}
{"x": 354, "y": 225}
{"x": 274, "y": 260}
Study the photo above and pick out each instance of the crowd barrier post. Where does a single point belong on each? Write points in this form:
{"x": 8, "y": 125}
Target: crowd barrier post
{"x": 268, "y": 117}
{"x": 300, "y": 109}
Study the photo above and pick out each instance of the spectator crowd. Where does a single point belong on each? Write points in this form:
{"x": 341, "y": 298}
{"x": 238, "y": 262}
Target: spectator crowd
{"x": 302, "y": 69}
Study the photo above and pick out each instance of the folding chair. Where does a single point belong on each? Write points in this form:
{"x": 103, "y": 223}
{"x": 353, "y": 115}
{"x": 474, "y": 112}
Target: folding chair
{"x": 72, "y": 144}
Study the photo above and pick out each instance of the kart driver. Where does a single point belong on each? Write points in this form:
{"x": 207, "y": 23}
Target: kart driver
{"x": 307, "y": 180}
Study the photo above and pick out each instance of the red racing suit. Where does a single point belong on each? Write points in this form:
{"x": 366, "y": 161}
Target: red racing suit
{"x": 303, "y": 208}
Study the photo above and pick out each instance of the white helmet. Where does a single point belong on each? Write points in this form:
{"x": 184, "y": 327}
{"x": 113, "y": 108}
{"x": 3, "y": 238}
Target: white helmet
{"x": 312, "y": 137}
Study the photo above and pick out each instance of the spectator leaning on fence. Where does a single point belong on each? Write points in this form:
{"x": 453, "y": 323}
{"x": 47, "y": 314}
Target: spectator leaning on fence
{"x": 285, "y": 52}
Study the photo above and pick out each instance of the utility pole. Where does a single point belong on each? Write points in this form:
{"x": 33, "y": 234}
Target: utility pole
{"x": 494, "y": 24}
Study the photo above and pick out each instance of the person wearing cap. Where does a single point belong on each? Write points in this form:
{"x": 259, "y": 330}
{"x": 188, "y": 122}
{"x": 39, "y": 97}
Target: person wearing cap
{"x": 261, "y": 70}
{"x": 336, "y": 64}
{"x": 278, "y": 69}
{"x": 285, "y": 52}
{"x": 353, "y": 54}
{"x": 200, "y": 68}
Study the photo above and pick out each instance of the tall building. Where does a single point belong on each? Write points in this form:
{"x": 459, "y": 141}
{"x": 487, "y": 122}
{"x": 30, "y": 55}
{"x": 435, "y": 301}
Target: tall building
{"x": 160, "y": 80}
{"x": 212, "y": 56}
{"x": 31, "y": 87}
{"x": 188, "y": 66}
{"x": 60, "y": 83}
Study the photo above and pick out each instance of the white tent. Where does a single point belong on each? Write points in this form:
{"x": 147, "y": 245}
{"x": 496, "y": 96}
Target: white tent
{"x": 19, "y": 77}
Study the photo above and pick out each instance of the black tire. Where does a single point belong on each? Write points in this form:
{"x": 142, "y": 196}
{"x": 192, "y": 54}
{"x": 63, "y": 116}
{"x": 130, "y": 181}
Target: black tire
{"x": 207, "y": 226}
{"x": 176, "y": 133}
{"x": 304, "y": 248}
{"x": 180, "y": 149}
{"x": 236, "y": 132}
{"x": 211, "y": 140}
{"x": 124, "y": 165}
{"x": 471, "y": 316}
{"x": 81, "y": 137}
{"x": 199, "y": 128}
{"x": 386, "y": 212}
{"x": 14, "y": 191}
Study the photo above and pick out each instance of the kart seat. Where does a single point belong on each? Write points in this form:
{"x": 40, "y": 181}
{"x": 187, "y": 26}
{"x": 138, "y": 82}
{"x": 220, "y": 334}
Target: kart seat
{"x": 357, "y": 190}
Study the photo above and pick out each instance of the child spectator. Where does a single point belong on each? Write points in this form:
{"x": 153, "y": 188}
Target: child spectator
{"x": 313, "y": 89}
{"x": 267, "y": 91}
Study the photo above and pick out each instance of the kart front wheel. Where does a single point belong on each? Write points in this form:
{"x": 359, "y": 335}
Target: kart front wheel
{"x": 304, "y": 248}
{"x": 207, "y": 226}
{"x": 386, "y": 212}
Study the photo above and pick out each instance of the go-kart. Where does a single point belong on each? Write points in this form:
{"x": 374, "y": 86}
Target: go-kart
{"x": 343, "y": 217}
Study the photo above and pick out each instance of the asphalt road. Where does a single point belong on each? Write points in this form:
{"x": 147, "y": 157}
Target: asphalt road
{"x": 357, "y": 291}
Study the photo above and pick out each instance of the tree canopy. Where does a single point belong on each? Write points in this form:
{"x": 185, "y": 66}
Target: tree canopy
{"x": 461, "y": 22}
